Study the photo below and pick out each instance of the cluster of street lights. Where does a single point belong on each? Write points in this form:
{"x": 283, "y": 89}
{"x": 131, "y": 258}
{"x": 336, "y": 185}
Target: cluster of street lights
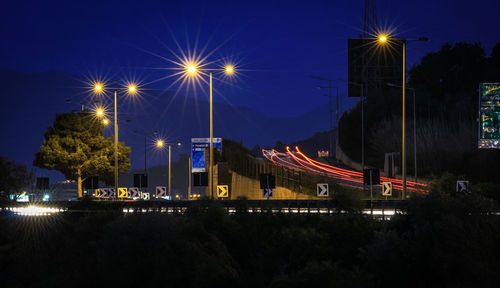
{"x": 191, "y": 70}
{"x": 196, "y": 70}
{"x": 100, "y": 89}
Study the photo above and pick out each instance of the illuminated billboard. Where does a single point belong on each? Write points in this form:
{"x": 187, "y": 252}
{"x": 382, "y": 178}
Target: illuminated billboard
{"x": 489, "y": 115}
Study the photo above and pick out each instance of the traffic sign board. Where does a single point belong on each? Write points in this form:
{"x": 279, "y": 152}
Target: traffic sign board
{"x": 97, "y": 193}
{"x": 462, "y": 186}
{"x": 104, "y": 193}
{"x": 111, "y": 192}
{"x": 322, "y": 189}
{"x": 161, "y": 191}
{"x": 122, "y": 192}
{"x": 134, "y": 192}
{"x": 145, "y": 196}
{"x": 222, "y": 191}
{"x": 386, "y": 188}
{"x": 267, "y": 193}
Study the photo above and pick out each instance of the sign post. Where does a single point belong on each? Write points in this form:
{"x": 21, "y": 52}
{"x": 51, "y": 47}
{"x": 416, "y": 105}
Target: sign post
{"x": 371, "y": 177}
{"x": 267, "y": 184}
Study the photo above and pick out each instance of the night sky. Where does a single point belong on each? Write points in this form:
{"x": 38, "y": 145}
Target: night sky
{"x": 275, "y": 44}
{"x": 280, "y": 43}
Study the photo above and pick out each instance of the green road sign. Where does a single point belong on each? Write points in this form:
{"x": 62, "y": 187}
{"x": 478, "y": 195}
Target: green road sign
{"x": 489, "y": 115}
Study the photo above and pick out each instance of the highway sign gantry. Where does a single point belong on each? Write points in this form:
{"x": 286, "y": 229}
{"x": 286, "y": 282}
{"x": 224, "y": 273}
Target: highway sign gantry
{"x": 222, "y": 191}
{"x": 322, "y": 189}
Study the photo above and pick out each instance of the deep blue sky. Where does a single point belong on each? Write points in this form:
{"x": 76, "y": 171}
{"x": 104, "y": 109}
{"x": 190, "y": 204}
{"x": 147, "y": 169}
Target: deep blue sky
{"x": 276, "y": 43}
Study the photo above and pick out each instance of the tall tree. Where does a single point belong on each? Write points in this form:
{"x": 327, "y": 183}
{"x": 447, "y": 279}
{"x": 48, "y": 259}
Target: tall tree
{"x": 76, "y": 147}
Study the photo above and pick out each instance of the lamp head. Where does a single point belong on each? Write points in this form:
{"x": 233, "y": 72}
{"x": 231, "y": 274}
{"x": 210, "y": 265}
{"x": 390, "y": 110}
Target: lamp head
{"x": 229, "y": 70}
{"x": 98, "y": 87}
{"x": 132, "y": 88}
{"x": 191, "y": 69}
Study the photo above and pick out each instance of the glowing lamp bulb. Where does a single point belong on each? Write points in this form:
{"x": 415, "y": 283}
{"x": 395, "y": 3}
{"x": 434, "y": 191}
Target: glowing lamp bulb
{"x": 382, "y": 38}
{"x": 105, "y": 121}
{"x": 100, "y": 112}
{"x": 191, "y": 69}
{"x": 159, "y": 143}
{"x": 132, "y": 88}
{"x": 229, "y": 69}
{"x": 98, "y": 87}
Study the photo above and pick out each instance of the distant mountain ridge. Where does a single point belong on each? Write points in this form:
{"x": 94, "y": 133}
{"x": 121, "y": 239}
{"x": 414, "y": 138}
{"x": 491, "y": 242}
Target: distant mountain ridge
{"x": 31, "y": 100}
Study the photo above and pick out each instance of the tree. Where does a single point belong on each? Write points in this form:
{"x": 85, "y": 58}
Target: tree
{"x": 76, "y": 147}
{"x": 13, "y": 176}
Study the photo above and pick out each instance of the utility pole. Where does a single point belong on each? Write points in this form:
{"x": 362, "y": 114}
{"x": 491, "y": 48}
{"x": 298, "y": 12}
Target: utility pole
{"x": 189, "y": 178}
{"x": 330, "y": 111}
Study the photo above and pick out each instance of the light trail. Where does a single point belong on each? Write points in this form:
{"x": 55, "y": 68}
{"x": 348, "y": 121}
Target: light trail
{"x": 296, "y": 160}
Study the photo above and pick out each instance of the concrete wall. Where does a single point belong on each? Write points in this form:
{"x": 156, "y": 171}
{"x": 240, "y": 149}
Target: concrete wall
{"x": 250, "y": 188}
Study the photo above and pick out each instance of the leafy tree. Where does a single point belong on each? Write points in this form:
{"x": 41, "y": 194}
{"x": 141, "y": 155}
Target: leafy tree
{"x": 76, "y": 147}
{"x": 13, "y": 176}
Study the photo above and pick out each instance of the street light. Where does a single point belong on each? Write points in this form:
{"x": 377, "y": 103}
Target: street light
{"x": 193, "y": 71}
{"x": 384, "y": 39}
{"x": 160, "y": 144}
{"x": 99, "y": 88}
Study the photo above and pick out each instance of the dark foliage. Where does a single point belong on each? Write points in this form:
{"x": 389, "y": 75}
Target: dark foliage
{"x": 442, "y": 241}
{"x": 13, "y": 176}
{"x": 446, "y": 86}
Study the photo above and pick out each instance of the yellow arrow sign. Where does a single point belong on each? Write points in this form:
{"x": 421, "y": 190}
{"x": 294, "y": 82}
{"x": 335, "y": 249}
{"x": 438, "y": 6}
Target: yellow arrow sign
{"x": 222, "y": 191}
{"x": 386, "y": 189}
{"x": 122, "y": 192}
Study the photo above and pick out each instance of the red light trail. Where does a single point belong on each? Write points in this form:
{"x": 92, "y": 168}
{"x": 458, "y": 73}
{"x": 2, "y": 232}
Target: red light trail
{"x": 296, "y": 160}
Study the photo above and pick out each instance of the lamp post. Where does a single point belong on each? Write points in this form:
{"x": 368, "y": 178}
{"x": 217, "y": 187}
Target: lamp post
{"x": 160, "y": 144}
{"x": 384, "y": 39}
{"x": 99, "y": 88}
{"x": 192, "y": 70}
{"x": 330, "y": 86}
